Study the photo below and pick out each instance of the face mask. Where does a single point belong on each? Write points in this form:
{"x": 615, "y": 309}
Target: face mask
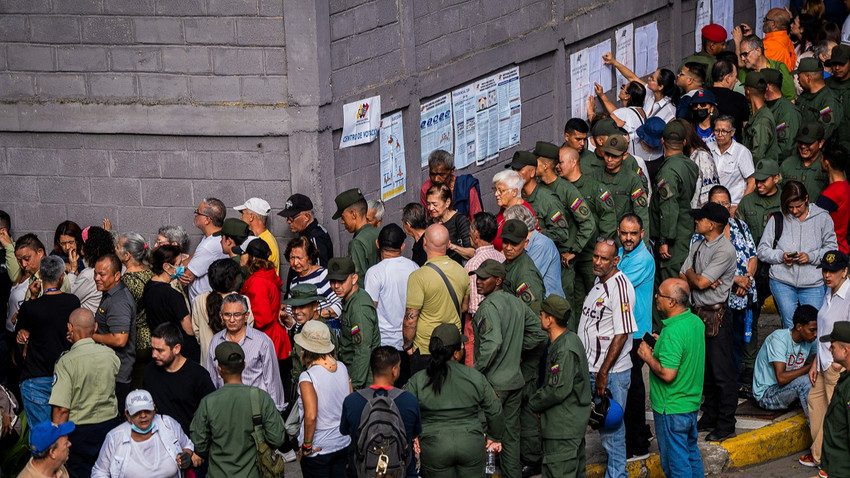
{"x": 700, "y": 114}
{"x": 178, "y": 271}
{"x": 795, "y": 38}
{"x": 139, "y": 430}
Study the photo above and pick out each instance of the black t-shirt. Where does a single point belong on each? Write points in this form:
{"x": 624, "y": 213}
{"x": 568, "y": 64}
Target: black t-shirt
{"x": 177, "y": 394}
{"x": 46, "y": 319}
{"x": 419, "y": 256}
{"x": 163, "y": 304}
{"x": 733, "y": 104}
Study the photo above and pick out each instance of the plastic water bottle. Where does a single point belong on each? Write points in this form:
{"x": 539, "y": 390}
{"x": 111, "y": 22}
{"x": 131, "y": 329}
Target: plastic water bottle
{"x": 490, "y": 465}
{"x": 748, "y": 326}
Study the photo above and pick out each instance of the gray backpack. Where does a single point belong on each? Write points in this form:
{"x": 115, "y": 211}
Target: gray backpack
{"x": 382, "y": 446}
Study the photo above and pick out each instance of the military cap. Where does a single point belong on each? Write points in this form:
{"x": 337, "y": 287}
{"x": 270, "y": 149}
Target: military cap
{"x": 674, "y": 131}
{"x": 808, "y": 65}
{"x": 303, "y": 294}
{"x": 755, "y": 80}
{"x": 714, "y": 33}
{"x": 546, "y": 150}
{"x": 339, "y": 268}
{"x": 840, "y": 333}
{"x": 764, "y": 169}
{"x": 522, "y": 159}
{"x": 233, "y": 227}
{"x": 490, "y": 268}
{"x": 605, "y": 127}
{"x": 345, "y": 199}
{"x": 615, "y": 144}
{"x": 514, "y": 231}
{"x": 229, "y": 353}
{"x": 449, "y": 334}
{"x": 840, "y": 55}
{"x": 810, "y": 132}
{"x": 554, "y": 305}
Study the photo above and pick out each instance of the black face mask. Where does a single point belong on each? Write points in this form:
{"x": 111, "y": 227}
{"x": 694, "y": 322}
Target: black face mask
{"x": 795, "y": 38}
{"x": 700, "y": 115}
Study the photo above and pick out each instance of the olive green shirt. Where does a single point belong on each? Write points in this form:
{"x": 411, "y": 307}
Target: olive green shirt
{"x": 358, "y": 336}
{"x": 551, "y": 217}
{"x": 836, "y": 430}
{"x": 788, "y": 120}
{"x": 601, "y": 204}
{"x": 84, "y": 382}
{"x": 523, "y": 279}
{"x": 579, "y": 218}
{"x": 841, "y": 89}
{"x": 812, "y": 176}
{"x": 755, "y": 210}
{"x": 563, "y": 401}
{"x": 789, "y": 91}
{"x": 363, "y": 250}
{"x": 500, "y": 339}
{"x": 760, "y": 135}
{"x": 589, "y": 162}
{"x": 465, "y": 393}
{"x": 675, "y": 183}
{"x": 627, "y": 191}
{"x": 822, "y": 106}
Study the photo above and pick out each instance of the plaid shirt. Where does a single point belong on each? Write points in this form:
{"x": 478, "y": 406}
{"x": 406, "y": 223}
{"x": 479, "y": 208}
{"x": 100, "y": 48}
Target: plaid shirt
{"x": 481, "y": 254}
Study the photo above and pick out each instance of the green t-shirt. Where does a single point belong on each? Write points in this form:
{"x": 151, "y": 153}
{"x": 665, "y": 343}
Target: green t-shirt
{"x": 681, "y": 346}
{"x": 427, "y": 292}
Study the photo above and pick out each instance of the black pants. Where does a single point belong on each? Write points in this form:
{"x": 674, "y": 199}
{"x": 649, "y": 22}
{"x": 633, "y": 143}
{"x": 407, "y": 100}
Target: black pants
{"x": 86, "y": 441}
{"x": 634, "y": 417}
{"x": 721, "y": 387}
{"x": 418, "y": 362}
{"x": 332, "y": 465}
{"x": 404, "y": 373}
{"x": 121, "y": 392}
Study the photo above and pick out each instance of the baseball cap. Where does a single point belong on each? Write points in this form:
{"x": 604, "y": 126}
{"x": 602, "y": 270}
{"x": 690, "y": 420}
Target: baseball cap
{"x": 834, "y": 261}
{"x": 490, "y": 268}
{"x": 765, "y": 169}
{"x": 234, "y": 228}
{"x": 808, "y": 65}
{"x": 346, "y": 199}
{"x": 45, "y": 434}
{"x": 554, "y": 305}
{"x": 303, "y": 294}
{"x": 514, "y": 231}
{"x": 772, "y": 76}
{"x": 605, "y": 127}
{"x": 229, "y": 353}
{"x": 650, "y": 131}
{"x": 810, "y": 132}
{"x": 840, "y": 333}
{"x": 755, "y": 80}
{"x": 339, "y": 268}
{"x": 139, "y": 400}
{"x": 714, "y": 32}
{"x": 616, "y": 145}
{"x": 546, "y": 150}
{"x": 674, "y": 131}
{"x": 239, "y": 250}
{"x": 702, "y": 97}
{"x": 315, "y": 337}
{"x": 256, "y": 205}
{"x": 711, "y": 211}
{"x": 259, "y": 249}
{"x": 449, "y": 334}
{"x": 840, "y": 55}
{"x": 392, "y": 236}
{"x": 296, "y": 204}
{"x": 522, "y": 159}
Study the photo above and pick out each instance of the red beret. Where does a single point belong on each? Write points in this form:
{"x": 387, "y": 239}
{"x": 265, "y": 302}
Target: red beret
{"x": 714, "y": 32}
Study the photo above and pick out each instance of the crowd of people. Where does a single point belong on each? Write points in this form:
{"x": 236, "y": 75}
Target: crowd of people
{"x": 652, "y": 236}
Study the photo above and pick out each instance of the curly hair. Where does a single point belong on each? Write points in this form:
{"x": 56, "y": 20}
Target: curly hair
{"x": 98, "y": 244}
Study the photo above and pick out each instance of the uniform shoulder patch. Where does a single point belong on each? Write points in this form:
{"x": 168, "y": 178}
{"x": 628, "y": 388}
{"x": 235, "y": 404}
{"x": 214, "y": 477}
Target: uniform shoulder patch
{"x": 606, "y": 198}
{"x": 639, "y": 197}
{"x": 826, "y": 115}
{"x": 663, "y": 189}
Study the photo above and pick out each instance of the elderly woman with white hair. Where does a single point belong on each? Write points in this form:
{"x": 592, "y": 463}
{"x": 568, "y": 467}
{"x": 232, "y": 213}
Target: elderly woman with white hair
{"x": 507, "y": 187}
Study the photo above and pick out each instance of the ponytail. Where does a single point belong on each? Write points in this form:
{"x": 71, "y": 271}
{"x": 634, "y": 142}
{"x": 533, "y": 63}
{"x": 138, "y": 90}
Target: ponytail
{"x": 438, "y": 363}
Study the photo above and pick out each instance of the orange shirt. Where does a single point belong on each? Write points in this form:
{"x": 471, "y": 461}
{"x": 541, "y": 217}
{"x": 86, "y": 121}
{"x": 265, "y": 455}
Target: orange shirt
{"x": 778, "y": 46}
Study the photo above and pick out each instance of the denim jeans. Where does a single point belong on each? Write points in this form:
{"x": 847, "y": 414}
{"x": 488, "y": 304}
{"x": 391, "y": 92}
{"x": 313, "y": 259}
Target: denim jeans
{"x": 35, "y": 393}
{"x": 614, "y": 441}
{"x": 788, "y": 297}
{"x": 677, "y": 444}
{"x": 780, "y": 398}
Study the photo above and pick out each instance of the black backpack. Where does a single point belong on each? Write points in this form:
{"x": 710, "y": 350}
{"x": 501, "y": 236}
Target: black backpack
{"x": 382, "y": 445}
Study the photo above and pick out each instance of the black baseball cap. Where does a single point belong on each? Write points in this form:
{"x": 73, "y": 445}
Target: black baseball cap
{"x": 258, "y": 248}
{"x": 711, "y": 211}
{"x": 296, "y": 204}
{"x": 391, "y": 237}
{"x": 514, "y": 231}
{"x": 834, "y": 261}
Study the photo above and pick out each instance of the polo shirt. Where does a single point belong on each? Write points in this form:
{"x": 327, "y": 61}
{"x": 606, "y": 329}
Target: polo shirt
{"x": 116, "y": 314}
{"x": 274, "y": 258}
{"x": 606, "y": 312}
{"x": 639, "y": 267}
{"x": 836, "y": 307}
{"x": 427, "y": 292}
{"x": 84, "y": 383}
{"x": 734, "y": 166}
{"x": 544, "y": 253}
{"x": 681, "y": 347}
{"x": 713, "y": 260}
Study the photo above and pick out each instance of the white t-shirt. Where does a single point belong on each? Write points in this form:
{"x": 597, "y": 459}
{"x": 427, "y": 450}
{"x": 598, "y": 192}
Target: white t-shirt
{"x": 606, "y": 312}
{"x": 845, "y": 32}
{"x": 663, "y": 108}
{"x": 150, "y": 459}
{"x": 208, "y": 251}
{"x": 386, "y": 283}
{"x": 733, "y": 168}
{"x": 633, "y": 120}
{"x": 16, "y": 298}
{"x": 331, "y": 390}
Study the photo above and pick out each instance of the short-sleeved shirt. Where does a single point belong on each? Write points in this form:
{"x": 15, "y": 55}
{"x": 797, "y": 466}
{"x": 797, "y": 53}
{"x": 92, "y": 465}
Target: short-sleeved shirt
{"x": 680, "y": 347}
{"x": 274, "y": 258}
{"x": 734, "y": 166}
{"x": 836, "y": 308}
{"x": 331, "y": 390}
{"x": 46, "y": 319}
{"x": 778, "y": 347}
{"x": 608, "y": 310}
{"x": 427, "y": 292}
{"x": 207, "y": 252}
{"x": 481, "y": 254}
{"x": 116, "y": 314}
{"x": 544, "y": 253}
{"x": 812, "y": 176}
{"x": 386, "y": 283}
{"x": 639, "y": 267}
{"x": 84, "y": 383}
{"x": 713, "y": 260}
{"x": 163, "y": 304}
{"x": 178, "y": 394}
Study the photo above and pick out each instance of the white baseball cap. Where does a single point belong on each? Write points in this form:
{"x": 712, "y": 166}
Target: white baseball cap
{"x": 139, "y": 400}
{"x": 256, "y": 205}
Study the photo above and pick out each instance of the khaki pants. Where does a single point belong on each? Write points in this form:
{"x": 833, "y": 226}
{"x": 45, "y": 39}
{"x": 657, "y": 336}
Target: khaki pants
{"x": 819, "y": 397}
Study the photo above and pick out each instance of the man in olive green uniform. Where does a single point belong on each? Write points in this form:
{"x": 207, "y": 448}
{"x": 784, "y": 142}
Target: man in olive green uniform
{"x": 817, "y": 102}
{"x": 625, "y": 186}
{"x": 835, "y": 459}
{"x": 501, "y": 337}
{"x": 563, "y": 401}
{"x": 804, "y": 166}
{"x": 592, "y": 161}
{"x": 580, "y": 219}
{"x": 359, "y": 333}
{"x": 671, "y": 225}
{"x": 760, "y": 132}
{"x": 304, "y": 300}
{"x": 785, "y": 114}
{"x": 351, "y": 210}
{"x": 839, "y": 83}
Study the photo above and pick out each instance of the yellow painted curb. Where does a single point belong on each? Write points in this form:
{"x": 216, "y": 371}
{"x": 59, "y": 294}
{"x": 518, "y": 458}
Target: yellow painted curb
{"x": 768, "y": 443}
{"x": 650, "y": 467}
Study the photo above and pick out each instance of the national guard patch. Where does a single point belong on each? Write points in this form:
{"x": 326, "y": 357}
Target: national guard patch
{"x": 554, "y": 376}
{"x": 356, "y": 336}
{"x": 639, "y": 197}
{"x": 521, "y": 288}
{"x": 826, "y": 115}
{"x": 355, "y": 329}
{"x": 559, "y": 220}
{"x": 781, "y": 131}
{"x": 606, "y": 198}
{"x": 663, "y": 189}
{"x": 554, "y": 368}
{"x": 575, "y": 204}
{"x": 556, "y": 216}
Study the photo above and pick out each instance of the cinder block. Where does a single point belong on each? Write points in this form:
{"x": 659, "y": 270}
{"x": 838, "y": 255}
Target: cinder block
{"x": 275, "y": 61}
{"x": 135, "y": 59}
{"x": 40, "y": 219}
{"x": 57, "y": 140}
{"x": 54, "y": 29}
{"x": 277, "y": 166}
{"x": 272, "y": 8}
{"x": 25, "y": 6}
{"x": 260, "y": 31}
{"x": 186, "y": 60}
{"x": 129, "y": 7}
{"x": 237, "y": 61}
{"x": 158, "y": 143}
{"x": 366, "y": 16}
{"x": 13, "y": 28}
{"x": 423, "y": 58}
{"x": 275, "y": 192}
{"x": 181, "y": 8}
{"x": 237, "y": 165}
{"x": 92, "y": 215}
{"x": 163, "y": 87}
{"x": 159, "y": 30}
{"x": 385, "y": 39}
{"x": 107, "y": 30}
{"x": 16, "y": 86}
{"x": 232, "y": 7}
{"x": 390, "y": 65}
{"x": 64, "y": 190}
{"x": 232, "y": 193}
{"x": 108, "y": 142}
{"x": 24, "y": 57}
{"x": 134, "y": 164}
{"x": 19, "y": 188}
{"x": 264, "y": 90}
{"x": 83, "y": 162}
{"x": 60, "y": 86}
{"x": 459, "y": 43}
{"x": 117, "y": 191}
{"x": 220, "y": 31}
{"x": 470, "y": 13}
{"x": 211, "y": 143}
{"x": 167, "y": 192}
{"x": 343, "y": 25}
{"x": 16, "y": 140}
{"x": 185, "y": 165}
{"x": 339, "y": 53}
{"x": 108, "y": 86}
{"x": 214, "y": 88}
{"x": 440, "y": 51}
{"x": 32, "y": 162}
{"x": 386, "y": 12}
{"x": 360, "y": 47}
{"x": 274, "y": 144}
{"x": 81, "y": 58}
{"x": 147, "y": 219}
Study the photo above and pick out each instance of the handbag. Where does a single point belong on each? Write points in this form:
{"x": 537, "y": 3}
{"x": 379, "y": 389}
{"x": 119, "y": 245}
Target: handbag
{"x": 270, "y": 463}
{"x": 712, "y": 318}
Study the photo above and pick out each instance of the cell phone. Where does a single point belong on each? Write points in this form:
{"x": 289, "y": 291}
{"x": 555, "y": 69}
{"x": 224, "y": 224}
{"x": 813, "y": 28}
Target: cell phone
{"x": 649, "y": 339}
{"x": 794, "y": 254}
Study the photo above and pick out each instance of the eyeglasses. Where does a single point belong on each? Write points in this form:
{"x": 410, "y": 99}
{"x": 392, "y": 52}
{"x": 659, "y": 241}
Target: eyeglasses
{"x": 723, "y": 132}
{"x": 292, "y": 219}
{"x": 499, "y": 192}
{"x": 658, "y": 294}
{"x": 232, "y": 315}
{"x": 199, "y": 213}
{"x": 606, "y": 240}
{"x": 745, "y": 53}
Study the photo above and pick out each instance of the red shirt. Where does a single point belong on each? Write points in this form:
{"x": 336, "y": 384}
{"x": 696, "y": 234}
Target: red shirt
{"x": 500, "y": 219}
{"x": 836, "y": 199}
{"x": 263, "y": 291}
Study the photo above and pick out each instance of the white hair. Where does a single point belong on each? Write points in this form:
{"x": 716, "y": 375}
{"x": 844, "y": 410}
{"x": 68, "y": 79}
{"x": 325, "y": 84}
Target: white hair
{"x": 511, "y": 179}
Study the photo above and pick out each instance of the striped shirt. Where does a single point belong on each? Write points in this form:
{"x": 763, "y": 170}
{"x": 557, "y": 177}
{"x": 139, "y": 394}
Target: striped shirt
{"x": 606, "y": 312}
{"x": 261, "y": 367}
{"x": 481, "y": 255}
{"x": 319, "y": 278}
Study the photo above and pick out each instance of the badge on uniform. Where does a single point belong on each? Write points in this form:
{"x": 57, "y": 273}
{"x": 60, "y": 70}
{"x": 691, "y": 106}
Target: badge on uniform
{"x": 780, "y": 130}
{"x": 639, "y": 197}
{"x": 356, "y": 336}
{"x": 554, "y": 376}
{"x": 524, "y": 293}
{"x": 558, "y": 219}
{"x": 626, "y": 307}
{"x": 663, "y": 189}
{"x": 606, "y": 198}
{"x": 600, "y": 302}
{"x": 826, "y": 115}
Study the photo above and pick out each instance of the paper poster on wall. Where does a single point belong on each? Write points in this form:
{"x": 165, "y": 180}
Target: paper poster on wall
{"x": 393, "y": 170}
{"x": 510, "y": 107}
{"x": 646, "y": 49}
{"x": 361, "y": 121}
{"x": 466, "y": 135}
{"x": 625, "y": 53}
{"x": 703, "y": 19}
{"x": 487, "y": 119}
{"x": 599, "y": 72}
{"x": 580, "y": 88}
{"x": 435, "y": 126}
{"x": 721, "y": 14}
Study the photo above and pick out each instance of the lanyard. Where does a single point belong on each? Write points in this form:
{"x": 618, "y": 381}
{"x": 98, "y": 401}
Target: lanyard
{"x": 52, "y": 289}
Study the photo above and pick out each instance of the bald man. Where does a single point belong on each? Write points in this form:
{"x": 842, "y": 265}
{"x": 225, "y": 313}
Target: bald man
{"x": 437, "y": 293}
{"x": 84, "y": 392}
